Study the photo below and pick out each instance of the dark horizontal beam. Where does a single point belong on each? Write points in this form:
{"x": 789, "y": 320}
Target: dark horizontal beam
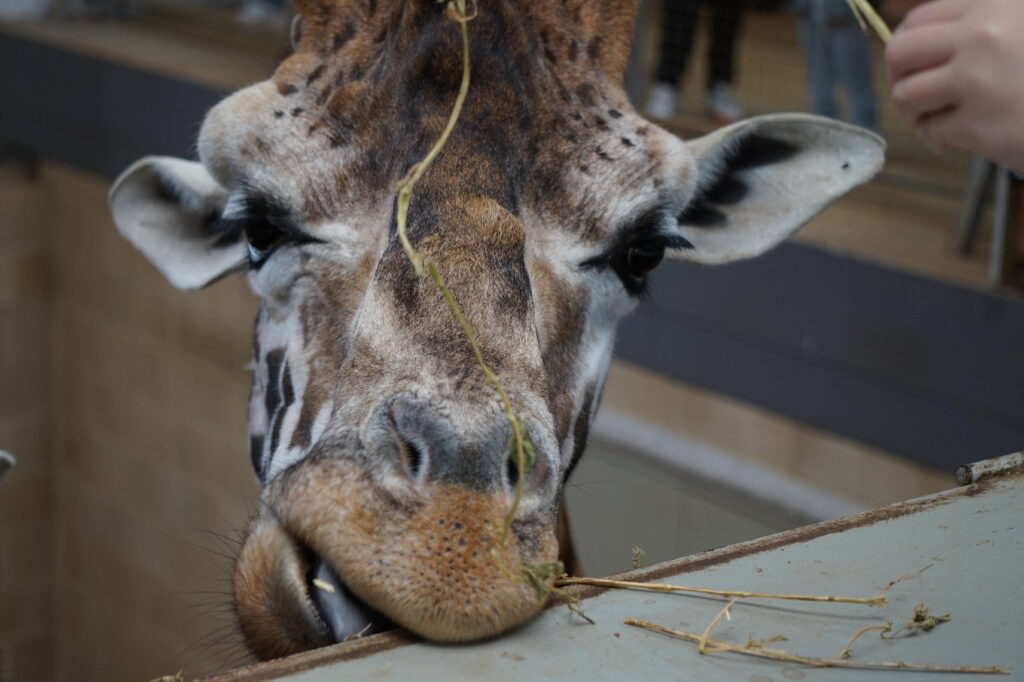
{"x": 909, "y": 364}
{"x": 91, "y": 113}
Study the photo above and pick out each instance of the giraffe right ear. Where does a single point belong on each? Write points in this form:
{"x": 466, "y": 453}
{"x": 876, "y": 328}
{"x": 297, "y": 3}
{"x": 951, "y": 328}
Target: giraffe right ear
{"x": 761, "y": 179}
{"x": 168, "y": 209}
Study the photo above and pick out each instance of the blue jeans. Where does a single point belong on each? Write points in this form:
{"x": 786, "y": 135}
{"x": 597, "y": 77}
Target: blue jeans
{"x": 837, "y": 52}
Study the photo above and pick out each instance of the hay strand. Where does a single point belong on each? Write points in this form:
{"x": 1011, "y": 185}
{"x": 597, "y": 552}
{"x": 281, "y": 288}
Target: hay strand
{"x": 868, "y": 16}
{"x": 737, "y": 594}
{"x": 758, "y": 650}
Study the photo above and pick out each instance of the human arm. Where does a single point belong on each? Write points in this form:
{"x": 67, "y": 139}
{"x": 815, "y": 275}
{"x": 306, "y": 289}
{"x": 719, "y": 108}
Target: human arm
{"x": 956, "y": 68}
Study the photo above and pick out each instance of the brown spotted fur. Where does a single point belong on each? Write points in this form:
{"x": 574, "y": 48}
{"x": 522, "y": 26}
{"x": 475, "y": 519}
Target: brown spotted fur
{"x": 546, "y": 131}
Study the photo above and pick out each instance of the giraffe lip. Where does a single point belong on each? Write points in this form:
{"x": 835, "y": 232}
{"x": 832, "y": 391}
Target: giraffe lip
{"x": 345, "y": 615}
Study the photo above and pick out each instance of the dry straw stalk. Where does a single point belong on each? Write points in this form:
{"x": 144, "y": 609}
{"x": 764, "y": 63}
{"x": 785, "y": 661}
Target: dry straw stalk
{"x": 867, "y": 16}
{"x": 758, "y": 650}
{"x": 737, "y": 594}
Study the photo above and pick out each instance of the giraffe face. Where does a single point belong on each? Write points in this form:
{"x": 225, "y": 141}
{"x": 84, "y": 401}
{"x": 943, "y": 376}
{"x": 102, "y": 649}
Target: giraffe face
{"x": 386, "y": 459}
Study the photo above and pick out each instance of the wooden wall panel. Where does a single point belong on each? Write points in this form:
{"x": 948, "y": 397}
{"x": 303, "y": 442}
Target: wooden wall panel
{"x": 153, "y": 456}
{"x": 26, "y": 509}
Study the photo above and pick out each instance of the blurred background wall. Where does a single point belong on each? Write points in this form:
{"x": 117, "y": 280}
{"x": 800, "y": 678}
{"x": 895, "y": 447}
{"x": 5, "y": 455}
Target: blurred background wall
{"x": 27, "y": 503}
{"x": 125, "y": 403}
{"x": 152, "y": 391}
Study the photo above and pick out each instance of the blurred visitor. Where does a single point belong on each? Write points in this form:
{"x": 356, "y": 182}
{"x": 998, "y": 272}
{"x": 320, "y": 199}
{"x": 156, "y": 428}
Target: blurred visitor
{"x": 679, "y": 24}
{"x": 23, "y": 9}
{"x": 956, "y": 68}
{"x": 836, "y": 51}
{"x": 263, "y": 12}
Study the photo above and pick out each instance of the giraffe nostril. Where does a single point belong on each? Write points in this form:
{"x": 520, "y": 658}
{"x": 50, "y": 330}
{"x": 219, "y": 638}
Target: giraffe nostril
{"x": 512, "y": 470}
{"x": 412, "y": 456}
{"x": 425, "y": 445}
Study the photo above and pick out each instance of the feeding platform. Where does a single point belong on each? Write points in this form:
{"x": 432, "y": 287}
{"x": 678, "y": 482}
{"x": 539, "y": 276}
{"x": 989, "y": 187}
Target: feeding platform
{"x": 959, "y": 552}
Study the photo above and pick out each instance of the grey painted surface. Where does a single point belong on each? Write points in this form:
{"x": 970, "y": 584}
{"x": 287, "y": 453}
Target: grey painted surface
{"x": 971, "y": 539}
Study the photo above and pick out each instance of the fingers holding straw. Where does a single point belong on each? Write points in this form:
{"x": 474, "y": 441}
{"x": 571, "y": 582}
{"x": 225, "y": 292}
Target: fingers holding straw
{"x": 867, "y": 16}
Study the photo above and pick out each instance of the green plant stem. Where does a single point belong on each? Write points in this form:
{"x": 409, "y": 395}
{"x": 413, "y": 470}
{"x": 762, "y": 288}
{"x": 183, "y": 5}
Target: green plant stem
{"x": 457, "y": 9}
{"x": 493, "y": 380}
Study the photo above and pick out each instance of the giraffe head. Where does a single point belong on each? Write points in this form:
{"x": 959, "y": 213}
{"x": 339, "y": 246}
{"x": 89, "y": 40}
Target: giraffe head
{"x": 385, "y": 460}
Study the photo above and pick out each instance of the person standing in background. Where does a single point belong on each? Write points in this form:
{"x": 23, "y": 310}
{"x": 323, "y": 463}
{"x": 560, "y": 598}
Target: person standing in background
{"x": 836, "y": 51}
{"x": 272, "y": 13}
{"x": 679, "y": 25}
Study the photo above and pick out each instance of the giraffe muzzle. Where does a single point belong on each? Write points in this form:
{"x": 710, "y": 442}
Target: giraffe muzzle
{"x": 361, "y": 559}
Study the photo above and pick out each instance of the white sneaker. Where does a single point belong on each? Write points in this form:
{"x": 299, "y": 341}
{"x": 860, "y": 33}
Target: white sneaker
{"x": 661, "y": 103}
{"x": 721, "y": 105}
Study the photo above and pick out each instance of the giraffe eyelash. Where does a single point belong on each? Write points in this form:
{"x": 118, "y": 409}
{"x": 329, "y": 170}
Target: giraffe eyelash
{"x": 263, "y": 223}
{"x": 636, "y": 251}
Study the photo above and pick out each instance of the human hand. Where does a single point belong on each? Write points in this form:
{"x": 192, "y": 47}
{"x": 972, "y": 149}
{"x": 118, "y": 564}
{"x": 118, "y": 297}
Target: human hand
{"x": 956, "y": 68}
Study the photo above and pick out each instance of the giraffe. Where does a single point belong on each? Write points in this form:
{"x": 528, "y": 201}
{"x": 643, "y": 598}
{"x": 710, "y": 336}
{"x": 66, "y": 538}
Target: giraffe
{"x": 384, "y": 459}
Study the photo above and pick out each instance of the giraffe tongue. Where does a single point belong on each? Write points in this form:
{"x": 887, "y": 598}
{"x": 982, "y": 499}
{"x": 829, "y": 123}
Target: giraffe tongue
{"x": 345, "y": 615}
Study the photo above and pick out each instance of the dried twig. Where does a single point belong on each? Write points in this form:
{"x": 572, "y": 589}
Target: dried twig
{"x": 323, "y": 585}
{"x": 845, "y": 651}
{"x": 656, "y": 587}
{"x": 897, "y": 581}
{"x": 357, "y": 635}
{"x": 707, "y": 631}
{"x": 866, "y": 15}
{"x": 756, "y": 649}
{"x": 922, "y": 620}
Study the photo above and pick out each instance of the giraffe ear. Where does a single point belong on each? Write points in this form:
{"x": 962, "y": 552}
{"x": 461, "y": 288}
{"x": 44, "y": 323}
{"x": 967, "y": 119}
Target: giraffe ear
{"x": 762, "y": 179}
{"x": 295, "y": 34}
{"x": 169, "y": 209}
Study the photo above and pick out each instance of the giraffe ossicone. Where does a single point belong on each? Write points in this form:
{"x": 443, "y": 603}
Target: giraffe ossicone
{"x": 385, "y": 460}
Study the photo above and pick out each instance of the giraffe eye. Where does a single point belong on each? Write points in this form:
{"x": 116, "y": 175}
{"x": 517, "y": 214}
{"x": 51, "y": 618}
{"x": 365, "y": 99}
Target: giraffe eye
{"x": 637, "y": 250}
{"x": 261, "y": 238}
{"x": 643, "y": 257}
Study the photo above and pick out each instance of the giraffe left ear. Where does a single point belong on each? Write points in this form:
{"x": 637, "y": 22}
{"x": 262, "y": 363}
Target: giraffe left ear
{"x": 168, "y": 209}
{"x": 762, "y": 179}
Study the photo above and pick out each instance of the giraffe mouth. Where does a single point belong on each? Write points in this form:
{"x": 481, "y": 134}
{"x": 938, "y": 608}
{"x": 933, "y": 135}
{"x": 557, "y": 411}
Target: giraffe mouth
{"x": 429, "y": 567}
{"x": 343, "y": 614}
{"x": 289, "y": 599}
